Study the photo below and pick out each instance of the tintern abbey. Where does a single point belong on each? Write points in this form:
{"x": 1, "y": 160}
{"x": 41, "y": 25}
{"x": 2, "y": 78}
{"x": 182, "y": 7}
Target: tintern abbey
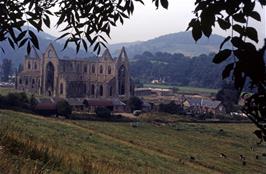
{"x": 48, "y": 75}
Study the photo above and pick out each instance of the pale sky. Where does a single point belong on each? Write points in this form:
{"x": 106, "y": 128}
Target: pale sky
{"x": 147, "y": 22}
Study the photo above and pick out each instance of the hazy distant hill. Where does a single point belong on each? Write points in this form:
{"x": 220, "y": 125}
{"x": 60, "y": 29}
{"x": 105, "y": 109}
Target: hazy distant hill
{"x": 181, "y": 42}
{"x": 44, "y": 39}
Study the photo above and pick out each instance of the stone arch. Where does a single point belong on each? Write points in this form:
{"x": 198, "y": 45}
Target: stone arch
{"x": 122, "y": 80}
{"x": 49, "y": 87}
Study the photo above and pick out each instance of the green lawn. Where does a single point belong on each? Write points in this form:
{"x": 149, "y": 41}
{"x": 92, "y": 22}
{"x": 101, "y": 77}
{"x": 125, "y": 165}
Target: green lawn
{"x": 34, "y": 143}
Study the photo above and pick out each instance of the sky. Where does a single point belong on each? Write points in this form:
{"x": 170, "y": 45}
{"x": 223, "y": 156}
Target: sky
{"x": 148, "y": 22}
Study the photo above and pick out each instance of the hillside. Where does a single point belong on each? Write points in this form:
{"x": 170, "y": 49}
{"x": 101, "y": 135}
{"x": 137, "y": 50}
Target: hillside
{"x": 35, "y": 144}
{"x": 181, "y": 42}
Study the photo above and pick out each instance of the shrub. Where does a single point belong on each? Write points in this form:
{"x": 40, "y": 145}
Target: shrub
{"x": 63, "y": 108}
{"x": 134, "y": 103}
{"x": 103, "y": 112}
{"x": 170, "y": 108}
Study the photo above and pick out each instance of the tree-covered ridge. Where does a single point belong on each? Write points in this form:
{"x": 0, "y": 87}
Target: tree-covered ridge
{"x": 177, "y": 69}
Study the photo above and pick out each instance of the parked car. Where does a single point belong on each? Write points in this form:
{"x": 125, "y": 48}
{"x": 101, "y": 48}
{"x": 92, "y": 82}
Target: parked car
{"x": 137, "y": 112}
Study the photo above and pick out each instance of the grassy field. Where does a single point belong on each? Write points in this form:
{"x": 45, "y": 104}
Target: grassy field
{"x": 35, "y": 144}
{"x": 5, "y": 91}
{"x": 185, "y": 89}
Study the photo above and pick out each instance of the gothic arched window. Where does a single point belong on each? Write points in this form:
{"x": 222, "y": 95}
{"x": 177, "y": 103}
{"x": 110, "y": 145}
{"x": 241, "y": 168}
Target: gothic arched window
{"x": 35, "y": 65}
{"x": 109, "y": 70}
{"x": 93, "y": 68}
{"x": 92, "y": 89}
{"x": 85, "y": 69}
{"x": 101, "y": 90}
{"x": 121, "y": 80}
{"x": 29, "y": 66}
{"x": 50, "y": 76}
{"x": 101, "y": 69}
{"x": 61, "y": 88}
{"x": 110, "y": 91}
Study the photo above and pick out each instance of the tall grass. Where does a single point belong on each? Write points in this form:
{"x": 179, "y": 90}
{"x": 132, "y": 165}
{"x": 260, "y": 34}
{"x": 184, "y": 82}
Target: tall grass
{"x": 44, "y": 158}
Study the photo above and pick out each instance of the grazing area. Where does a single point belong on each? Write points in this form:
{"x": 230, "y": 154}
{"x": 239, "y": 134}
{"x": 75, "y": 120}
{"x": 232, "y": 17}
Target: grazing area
{"x": 35, "y": 144}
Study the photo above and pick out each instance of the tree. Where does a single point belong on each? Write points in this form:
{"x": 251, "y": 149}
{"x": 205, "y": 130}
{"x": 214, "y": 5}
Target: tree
{"x": 86, "y": 21}
{"x": 229, "y": 97}
{"x": 248, "y": 61}
{"x": 63, "y": 108}
{"x": 134, "y": 103}
{"x": 171, "y": 108}
{"x": 103, "y": 112}
{"x": 7, "y": 69}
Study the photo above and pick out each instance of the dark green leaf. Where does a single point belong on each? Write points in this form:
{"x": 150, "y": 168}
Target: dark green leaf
{"x": 34, "y": 39}
{"x": 21, "y": 36}
{"x": 22, "y": 42}
{"x": 224, "y": 24}
{"x": 191, "y": 23}
{"x": 28, "y": 48}
{"x": 164, "y": 3}
{"x": 227, "y": 70}
{"x": 11, "y": 43}
{"x": 46, "y": 21}
{"x": 237, "y": 42}
{"x": 12, "y": 34}
{"x": 61, "y": 19}
{"x": 225, "y": 40}
{"x": 255, "y": 15}
{"x": 3, "y": 50}
{"x": 196, "y": 31}
{"x": 221, "y": 56}
{"x": 252, "y": 34}
{"x": 156, "y": 3}
{"x": 65, "y": 45}
{"x": 239, "y": 29}
{"x": 239, "y": 17}
{"x": 85, "y": 45}
{"x": 262, "y": 2}
{"x": 77, "y": 47}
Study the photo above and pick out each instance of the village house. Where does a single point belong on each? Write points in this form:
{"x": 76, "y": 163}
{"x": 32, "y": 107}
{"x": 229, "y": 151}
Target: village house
{"x": 198, "y": 106}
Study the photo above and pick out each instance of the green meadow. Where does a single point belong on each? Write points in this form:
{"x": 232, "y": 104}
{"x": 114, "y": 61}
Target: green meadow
{"x": 36, "y": 144}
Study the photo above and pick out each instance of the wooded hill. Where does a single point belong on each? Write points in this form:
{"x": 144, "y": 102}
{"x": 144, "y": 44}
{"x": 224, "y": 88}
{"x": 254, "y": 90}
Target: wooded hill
{"x": 177, "y": 69}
